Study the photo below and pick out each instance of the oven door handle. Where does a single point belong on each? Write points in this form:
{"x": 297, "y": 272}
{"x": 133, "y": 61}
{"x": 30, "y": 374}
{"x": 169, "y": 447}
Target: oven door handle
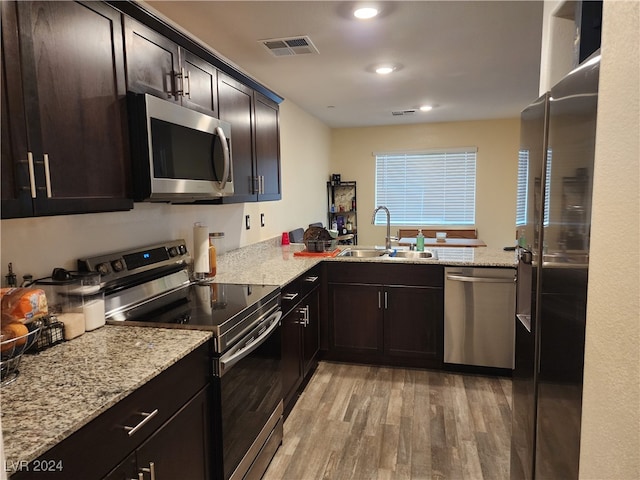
{"x": 226, "y": 363}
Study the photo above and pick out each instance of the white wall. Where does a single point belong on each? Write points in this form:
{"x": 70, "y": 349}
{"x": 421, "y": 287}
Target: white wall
{"x": 496, "y": 169}
{"x": 610, "y": 444}
{"x": 36, "y": 245}
{"x": 557, "y": 57}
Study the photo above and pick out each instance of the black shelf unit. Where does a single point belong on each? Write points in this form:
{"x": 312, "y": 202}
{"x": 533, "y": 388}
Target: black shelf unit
{"x": 342, "y": 208}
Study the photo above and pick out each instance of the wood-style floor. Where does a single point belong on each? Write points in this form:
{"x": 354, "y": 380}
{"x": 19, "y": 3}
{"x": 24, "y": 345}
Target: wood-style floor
{"x": 364, "y": 422}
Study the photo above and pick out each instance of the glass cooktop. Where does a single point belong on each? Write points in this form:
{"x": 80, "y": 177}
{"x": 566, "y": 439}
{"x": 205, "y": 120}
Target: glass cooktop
{"x": 214, "y": 306}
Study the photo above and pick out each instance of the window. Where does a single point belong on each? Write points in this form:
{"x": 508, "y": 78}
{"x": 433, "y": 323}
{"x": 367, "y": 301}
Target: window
{"x": 427, "y": 188}
{"x": 523, "y": 184}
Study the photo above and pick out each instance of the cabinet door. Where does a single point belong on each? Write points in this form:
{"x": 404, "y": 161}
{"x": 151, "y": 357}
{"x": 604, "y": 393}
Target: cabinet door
{"x": 200, "y": 87}
{"x": 181, "y": 447}
{"x": 311, "y": 331}
{"x": 235, "y": 104}
{"x": 152, "y": 61}
{"x": 74, "y": 94}
{"x": 356, "y": 320}
{"x": 15, "y": 189}
{"x": 267, "y": 148}
{"x": 178, "y": 449}
{"x": 413, "y": 325}
{"x": 291, "y": 353}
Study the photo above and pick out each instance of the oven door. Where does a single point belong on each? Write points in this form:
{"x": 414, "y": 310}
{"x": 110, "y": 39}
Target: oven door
{"x": 248, "y": 393}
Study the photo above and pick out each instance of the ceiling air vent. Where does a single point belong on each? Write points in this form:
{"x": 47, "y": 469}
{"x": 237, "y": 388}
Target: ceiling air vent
{"x": 400, "y": 113}
{"x": 286, "y": 47}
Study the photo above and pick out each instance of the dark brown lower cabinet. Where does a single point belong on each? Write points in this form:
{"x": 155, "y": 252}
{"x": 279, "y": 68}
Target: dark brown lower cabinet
{"x": 164, "y": 422}
{"x": 386, "y": 314}
{"x": 179, "y": 449}
{"x": 300, "y": 334}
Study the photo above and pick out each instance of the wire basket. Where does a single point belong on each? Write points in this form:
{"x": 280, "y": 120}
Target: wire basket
{"x": 12, "y": 350}
{"x": 51, "y": 334}
{"x": 320, "y": 245}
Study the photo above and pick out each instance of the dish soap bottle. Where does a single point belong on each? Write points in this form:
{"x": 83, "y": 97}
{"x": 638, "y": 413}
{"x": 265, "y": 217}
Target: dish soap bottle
{"x": 420, "y": 242}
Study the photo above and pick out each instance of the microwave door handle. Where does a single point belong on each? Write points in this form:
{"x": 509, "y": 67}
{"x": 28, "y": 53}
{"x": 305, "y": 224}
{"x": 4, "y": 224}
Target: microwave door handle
{"x": 227, "y": 159}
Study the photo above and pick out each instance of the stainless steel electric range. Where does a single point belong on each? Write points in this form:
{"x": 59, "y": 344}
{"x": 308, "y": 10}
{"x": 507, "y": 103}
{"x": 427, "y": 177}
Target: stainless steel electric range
{"x": 150, "y": 286}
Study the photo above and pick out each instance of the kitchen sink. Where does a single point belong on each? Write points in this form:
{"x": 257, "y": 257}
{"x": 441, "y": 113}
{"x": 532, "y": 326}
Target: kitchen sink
{"x": 362, "y": 253}
{"x": 413, "y": 254}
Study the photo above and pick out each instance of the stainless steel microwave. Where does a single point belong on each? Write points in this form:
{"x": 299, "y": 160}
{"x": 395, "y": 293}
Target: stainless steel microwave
{"x": 179, "y": 155}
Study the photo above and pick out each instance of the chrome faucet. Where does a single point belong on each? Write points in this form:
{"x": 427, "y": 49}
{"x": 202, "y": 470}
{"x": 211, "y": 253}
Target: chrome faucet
{"x": 387, "y": 243}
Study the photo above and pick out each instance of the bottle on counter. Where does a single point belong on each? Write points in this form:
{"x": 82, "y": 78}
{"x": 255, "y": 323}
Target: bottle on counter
{"x": 420, "y": 241}
{"x": 522, "y": 239}
{"x": 215, "y": 248}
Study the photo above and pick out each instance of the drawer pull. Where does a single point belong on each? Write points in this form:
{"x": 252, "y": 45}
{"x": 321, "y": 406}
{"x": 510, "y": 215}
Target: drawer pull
{"x": 151, "y": 470}
{"x": 311, "y": 279}
{"x": 289, "y": 296}
{"x": 143, "y": 422}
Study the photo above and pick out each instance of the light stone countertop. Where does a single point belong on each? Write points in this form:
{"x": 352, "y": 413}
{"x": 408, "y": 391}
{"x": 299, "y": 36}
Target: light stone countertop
{"x": 63, "y": 388}
{"x": 269, "y": 263}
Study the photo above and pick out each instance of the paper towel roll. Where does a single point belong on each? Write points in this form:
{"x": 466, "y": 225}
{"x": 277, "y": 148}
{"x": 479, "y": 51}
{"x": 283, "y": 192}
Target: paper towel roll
{"x": 200, "y": 249}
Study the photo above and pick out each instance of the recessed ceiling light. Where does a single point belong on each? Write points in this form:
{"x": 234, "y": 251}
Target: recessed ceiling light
{"x": 426, "y": 108}
{"x": 384, "y": 69}
{"x": 365, "y": 13}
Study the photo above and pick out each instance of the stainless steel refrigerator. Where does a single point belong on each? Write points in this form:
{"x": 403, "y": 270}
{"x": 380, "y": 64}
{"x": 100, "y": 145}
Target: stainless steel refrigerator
{"x": 557, "y": 157}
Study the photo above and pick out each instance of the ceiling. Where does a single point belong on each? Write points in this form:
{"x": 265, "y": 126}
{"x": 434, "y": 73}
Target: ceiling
{"x": 470, "y": 60}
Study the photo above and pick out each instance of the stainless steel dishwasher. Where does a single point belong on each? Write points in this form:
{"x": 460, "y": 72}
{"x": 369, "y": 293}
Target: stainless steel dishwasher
{"x": 479, "y": 310}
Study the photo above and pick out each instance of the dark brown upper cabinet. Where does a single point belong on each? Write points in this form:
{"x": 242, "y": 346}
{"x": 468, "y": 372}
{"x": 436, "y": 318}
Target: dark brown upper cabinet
{"x": 255, "y": 141}
{"x": 64, "y": 135}
{"x": 160, "y": 67}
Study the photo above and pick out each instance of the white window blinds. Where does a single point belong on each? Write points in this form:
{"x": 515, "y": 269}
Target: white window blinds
{"x": 427, "y": 188}
{"x": 523, "y": 183}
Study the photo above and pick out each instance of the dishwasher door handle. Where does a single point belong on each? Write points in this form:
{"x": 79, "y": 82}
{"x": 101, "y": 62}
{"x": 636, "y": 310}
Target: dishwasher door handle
{"x": 464, "y": 278}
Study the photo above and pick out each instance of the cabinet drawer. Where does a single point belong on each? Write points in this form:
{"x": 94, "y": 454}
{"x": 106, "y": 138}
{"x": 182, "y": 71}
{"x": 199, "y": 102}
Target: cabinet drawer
{"x": 297, "y": 289}
{"x": 96, "y": 448}
{"x": 386, "y": 273}
{"x": 309, "y": 280}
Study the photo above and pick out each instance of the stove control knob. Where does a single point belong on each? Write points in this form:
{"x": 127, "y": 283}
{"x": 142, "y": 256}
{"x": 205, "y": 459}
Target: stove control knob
{"x": 173, "y": 251}
{"x": 117, "y": 265}
{"x": 103, "y": 268}
{"x": 182, "y": 249}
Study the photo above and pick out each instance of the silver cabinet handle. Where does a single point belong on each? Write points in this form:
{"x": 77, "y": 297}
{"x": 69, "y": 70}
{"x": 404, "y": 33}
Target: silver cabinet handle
{"x": 311, "y": 279}
{"x": 379, "y": 300}
{"x": 47, "y": 174}
{"x": 225, "y": 154}
{"x": 151, "y": 470}
{"x": 143, "y": 422}
{"x": 289, "y": 296}
{"x": 261, "y": 184}
{"x": 140, "y": 476}
{"x": 462, "y": 278}
{"x": 187, "y": 77}
{"x": 32, "y": 175}
{"x": 304, "y": 311}
{"x": 386, "y": 300}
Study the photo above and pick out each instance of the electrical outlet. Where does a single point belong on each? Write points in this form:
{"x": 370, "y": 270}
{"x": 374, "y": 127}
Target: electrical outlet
{"x": 262, "y": 219}
{"x": 247, "y": 222}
